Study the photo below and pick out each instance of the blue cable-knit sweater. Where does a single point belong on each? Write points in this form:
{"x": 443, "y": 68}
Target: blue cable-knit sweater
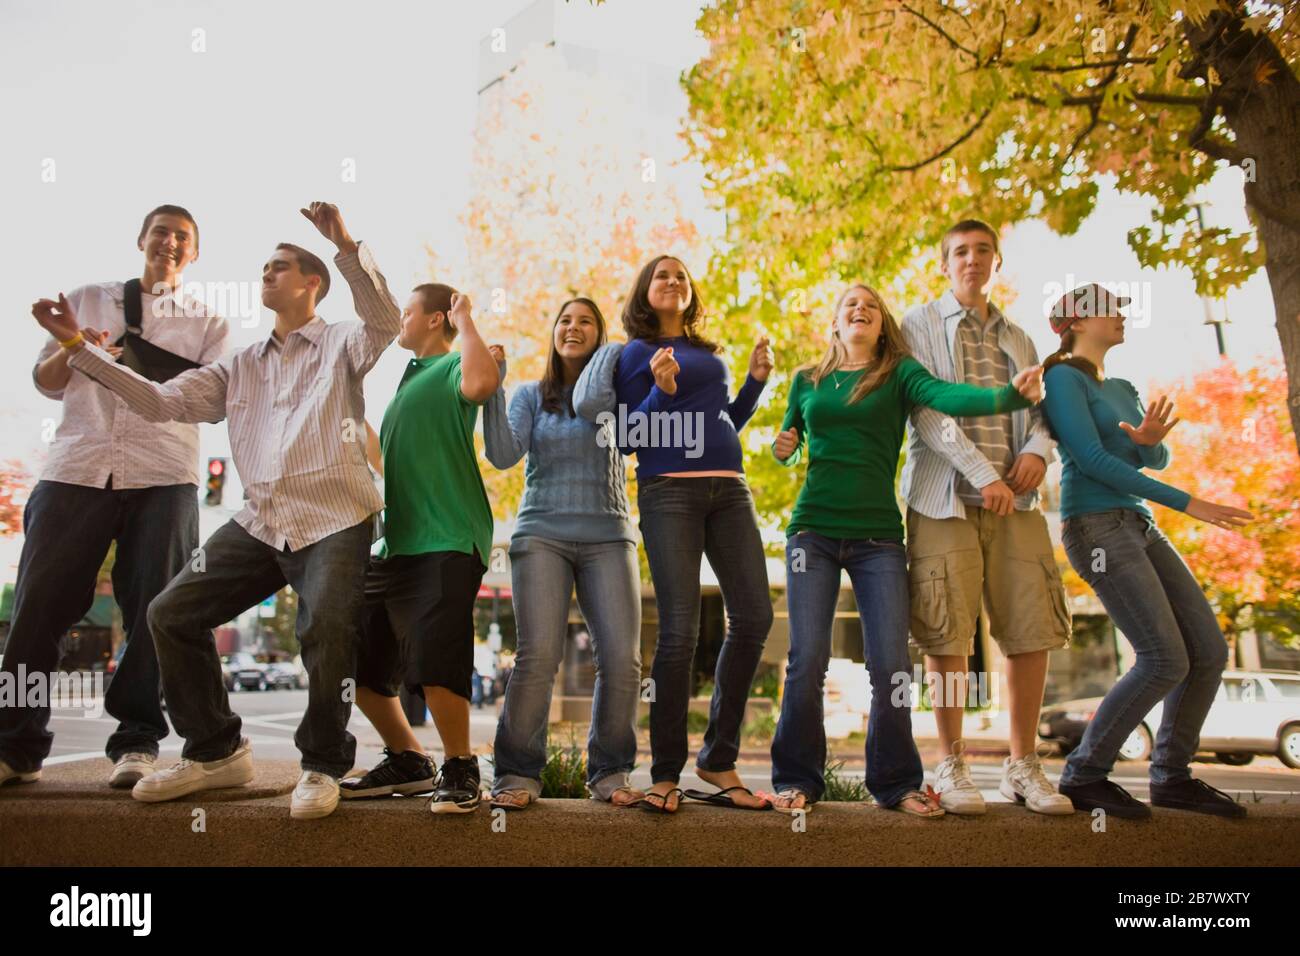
{"x": 574, "y": 489}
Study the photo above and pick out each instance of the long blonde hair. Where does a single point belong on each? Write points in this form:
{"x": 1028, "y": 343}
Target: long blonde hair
{"x": 891, "y": 348}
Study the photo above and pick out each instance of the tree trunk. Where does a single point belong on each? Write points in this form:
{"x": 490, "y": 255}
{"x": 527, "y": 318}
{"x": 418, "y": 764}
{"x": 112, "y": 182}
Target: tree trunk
{"x": 1260, "y": 99}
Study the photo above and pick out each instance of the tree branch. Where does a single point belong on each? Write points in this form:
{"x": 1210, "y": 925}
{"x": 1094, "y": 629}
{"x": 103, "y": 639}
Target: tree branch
{"x": 942, "y": 32}
{"x": 946, "y": 150}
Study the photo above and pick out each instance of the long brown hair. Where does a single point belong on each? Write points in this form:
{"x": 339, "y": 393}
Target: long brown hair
{"x": 641, "y": 322}
{"x": 891, "y": 348}
{"x": 552, "y": 384}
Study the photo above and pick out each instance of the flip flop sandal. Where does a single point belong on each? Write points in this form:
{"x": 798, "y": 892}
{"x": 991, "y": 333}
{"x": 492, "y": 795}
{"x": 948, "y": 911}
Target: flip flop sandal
{"x": 928, "y": 798}
{"x": 720, "y": 798}
{"x": 623, "y": 806}
{"x": 807, "y": 803}
{"x": 508, "y": 804}
{"x": 648, "y": 801}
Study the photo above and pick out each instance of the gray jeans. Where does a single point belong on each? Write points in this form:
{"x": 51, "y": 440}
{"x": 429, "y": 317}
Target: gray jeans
{"x": 1152, "y": 597}
{"x": 543, "y": 574}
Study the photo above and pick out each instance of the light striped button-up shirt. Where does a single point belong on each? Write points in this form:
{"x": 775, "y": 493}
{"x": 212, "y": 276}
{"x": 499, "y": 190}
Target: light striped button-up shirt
{"x": 296, "y": 413}
{"x": 99, "y": 435}
{"x": 937, "y": 448}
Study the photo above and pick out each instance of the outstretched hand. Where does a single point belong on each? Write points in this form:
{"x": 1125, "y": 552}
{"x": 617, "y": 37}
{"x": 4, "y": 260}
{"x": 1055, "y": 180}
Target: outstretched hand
{"x": 1155, "y": 424}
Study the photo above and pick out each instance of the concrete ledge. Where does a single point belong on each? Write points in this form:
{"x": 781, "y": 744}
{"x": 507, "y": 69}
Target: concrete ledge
{"x": 71, "y": 818}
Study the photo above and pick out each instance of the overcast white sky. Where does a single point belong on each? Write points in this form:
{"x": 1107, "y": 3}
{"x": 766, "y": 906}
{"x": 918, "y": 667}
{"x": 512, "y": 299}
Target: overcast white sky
{"x": 261, "y": 122}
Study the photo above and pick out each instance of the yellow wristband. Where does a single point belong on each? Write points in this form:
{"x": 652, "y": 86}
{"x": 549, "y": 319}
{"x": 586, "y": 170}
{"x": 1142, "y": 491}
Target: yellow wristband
{"x": 72, "y": 341}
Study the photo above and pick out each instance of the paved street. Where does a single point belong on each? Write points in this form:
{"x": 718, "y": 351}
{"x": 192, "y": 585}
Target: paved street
{"x": 270, "y": 718}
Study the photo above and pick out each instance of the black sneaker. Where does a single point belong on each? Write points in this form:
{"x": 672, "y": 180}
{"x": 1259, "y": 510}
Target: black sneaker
{"x": 1197, "y": 796}
{"x": 1108, "y": 796}
{"x": 405, "y": 773}
{"x": 458, "y": 787}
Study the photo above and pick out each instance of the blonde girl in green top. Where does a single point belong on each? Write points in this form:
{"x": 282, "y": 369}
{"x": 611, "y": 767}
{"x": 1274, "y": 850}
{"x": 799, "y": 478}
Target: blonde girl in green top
{"x": 850, "y": 410}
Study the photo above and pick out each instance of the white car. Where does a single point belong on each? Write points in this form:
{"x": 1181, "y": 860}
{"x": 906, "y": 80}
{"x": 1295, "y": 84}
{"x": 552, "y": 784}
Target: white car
{"x": 1254, "y": 712}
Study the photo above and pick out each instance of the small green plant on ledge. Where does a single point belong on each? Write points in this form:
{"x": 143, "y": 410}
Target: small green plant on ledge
{"x": 840, "y": 789}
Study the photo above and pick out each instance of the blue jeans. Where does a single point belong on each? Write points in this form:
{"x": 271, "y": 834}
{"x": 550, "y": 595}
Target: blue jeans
{"x": 543, "y": 575}
{"x": 68, "y": 532}
{"x": 878, "y": 572}
{"x": 681, "y": 520}
{"x": 238, "y": 571}
{"x": 1152, "y": 597}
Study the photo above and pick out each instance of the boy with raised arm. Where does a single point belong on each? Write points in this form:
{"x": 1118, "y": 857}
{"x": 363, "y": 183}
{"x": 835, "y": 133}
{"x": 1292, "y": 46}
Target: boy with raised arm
{"x": 296, "y": 418}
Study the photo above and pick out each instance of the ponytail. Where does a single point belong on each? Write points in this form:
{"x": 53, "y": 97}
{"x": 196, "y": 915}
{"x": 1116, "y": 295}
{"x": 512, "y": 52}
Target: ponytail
{"x": 1064, "y": 356}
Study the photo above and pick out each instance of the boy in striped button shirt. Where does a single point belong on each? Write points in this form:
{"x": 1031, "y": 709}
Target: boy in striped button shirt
{"x": 974, "y": 531}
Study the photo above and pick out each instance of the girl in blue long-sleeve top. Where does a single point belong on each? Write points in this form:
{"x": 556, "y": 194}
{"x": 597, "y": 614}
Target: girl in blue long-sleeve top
{"x": 1105, "y": 438}
{"x": 666, "y": 398}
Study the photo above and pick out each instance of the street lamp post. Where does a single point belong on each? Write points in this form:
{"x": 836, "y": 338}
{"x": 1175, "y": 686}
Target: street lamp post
{"x": 1212, "y": 306}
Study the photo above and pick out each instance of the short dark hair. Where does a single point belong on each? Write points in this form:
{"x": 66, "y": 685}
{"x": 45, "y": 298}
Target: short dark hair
{"x": 169, "y": 210}
{"x": 437, "y": 298}
{"x": 970, "y": 225}
{"x": 310, "y": 264}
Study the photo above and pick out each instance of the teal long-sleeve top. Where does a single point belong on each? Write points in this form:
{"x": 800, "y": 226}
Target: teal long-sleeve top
{"x": 1101, "y": 464}
{"x": 853, "y": 447}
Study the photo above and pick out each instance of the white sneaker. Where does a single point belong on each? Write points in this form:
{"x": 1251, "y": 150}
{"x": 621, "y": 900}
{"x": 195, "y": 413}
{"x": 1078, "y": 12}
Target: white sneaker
{"x": 129, "y": 768}
{"x": 1023, "y": 781}
{"x": 316, "y": 795}
{"x": 187, "y": 776}
{"x": 9, "y": 775}
{"x": 957, "y": 792}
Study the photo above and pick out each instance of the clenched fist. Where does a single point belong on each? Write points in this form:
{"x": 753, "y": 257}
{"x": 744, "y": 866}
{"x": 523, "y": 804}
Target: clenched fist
{"x": 785, "y": 444}
{"x": 665, "y": 368}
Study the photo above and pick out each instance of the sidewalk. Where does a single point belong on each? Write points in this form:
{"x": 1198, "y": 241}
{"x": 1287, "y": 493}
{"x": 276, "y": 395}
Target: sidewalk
{"x": 71, "y": 818}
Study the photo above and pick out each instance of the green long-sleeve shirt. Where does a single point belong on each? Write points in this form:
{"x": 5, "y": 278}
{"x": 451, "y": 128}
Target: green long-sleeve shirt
{"x": 853, "y": 448}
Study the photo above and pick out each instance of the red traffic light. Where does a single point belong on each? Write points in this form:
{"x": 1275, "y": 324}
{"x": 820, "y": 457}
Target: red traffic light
{"x": 216, "y": 466}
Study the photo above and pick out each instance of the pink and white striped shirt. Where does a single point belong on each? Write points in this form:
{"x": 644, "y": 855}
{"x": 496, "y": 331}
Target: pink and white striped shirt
{"x": 296, "y": 412}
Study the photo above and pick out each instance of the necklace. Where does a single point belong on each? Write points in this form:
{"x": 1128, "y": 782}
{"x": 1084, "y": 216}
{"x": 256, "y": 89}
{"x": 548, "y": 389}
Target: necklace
{"x": 845, "y": 368}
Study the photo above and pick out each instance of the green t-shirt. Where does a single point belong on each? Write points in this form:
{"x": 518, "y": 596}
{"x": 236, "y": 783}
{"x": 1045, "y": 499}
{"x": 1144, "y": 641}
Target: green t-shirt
{"x": 853, "y": 448}
{"x": 433, "y": 492}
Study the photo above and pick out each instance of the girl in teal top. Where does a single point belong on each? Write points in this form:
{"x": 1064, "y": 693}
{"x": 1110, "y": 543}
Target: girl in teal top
{"x": 850, "y": 410}
{"x": 1105, "y": 438}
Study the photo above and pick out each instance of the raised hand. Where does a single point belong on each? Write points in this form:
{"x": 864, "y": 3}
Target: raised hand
{"x": 459, "y": 312}
{"x": 665, "y": 368}
{"x": 1155, "y": 424}
{"x": 1222, "y": 516}
{"x": 785, "y": 444}
{"x": 1029, "y": 383}
{"x": 329, "y": 222}
{"x": 761, "y": 360}
{"x": 57, "y": 318}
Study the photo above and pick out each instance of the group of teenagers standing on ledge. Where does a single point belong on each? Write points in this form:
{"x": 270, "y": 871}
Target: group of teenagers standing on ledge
{"x": 984, "y": 418}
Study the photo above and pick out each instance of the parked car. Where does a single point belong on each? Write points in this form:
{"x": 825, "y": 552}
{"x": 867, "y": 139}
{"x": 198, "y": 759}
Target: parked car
{"x": 1254, "y": 712}
{"x": 231, "y": 664}
{"x": 281, "y": 675}
{"x": 247, "y": 673}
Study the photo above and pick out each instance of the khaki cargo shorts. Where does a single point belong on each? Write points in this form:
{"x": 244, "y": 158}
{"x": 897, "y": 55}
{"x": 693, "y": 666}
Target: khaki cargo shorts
{"x": 953, "y": 563}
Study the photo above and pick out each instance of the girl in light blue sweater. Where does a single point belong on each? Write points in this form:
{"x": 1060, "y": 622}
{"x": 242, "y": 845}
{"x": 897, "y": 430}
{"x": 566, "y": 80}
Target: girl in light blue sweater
{"x": 572, "y": 529}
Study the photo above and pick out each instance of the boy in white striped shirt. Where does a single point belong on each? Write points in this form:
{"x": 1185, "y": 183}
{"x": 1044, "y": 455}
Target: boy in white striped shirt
{"x": 974, "y": 531}
{"x": 297, "y": 433}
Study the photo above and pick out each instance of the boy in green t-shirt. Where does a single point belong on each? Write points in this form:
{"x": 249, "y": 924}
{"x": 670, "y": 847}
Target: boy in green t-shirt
{"x": 421, "y": 588}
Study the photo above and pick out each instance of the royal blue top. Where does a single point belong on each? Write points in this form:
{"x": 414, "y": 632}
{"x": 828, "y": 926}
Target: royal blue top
{"x": 618, "y": 381}
{"x": 1101, "y": 463}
